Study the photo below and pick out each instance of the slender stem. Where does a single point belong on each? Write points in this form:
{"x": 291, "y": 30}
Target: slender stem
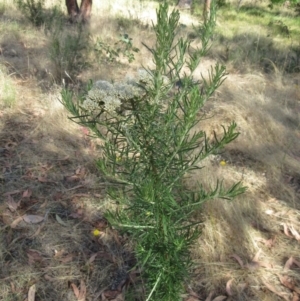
{"x": 135, "y": 227}
{"x": 154, "y": 287}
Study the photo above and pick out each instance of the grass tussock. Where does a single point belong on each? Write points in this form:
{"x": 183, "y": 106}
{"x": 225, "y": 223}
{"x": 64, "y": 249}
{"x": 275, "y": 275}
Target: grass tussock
{"x": 247, "y": 242}
{"x": 8, "y": 92}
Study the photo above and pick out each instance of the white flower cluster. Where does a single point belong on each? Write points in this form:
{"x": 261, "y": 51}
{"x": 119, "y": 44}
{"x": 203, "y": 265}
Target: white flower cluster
{"x": 145, "y": 78}
{"x": 110, "y": 96}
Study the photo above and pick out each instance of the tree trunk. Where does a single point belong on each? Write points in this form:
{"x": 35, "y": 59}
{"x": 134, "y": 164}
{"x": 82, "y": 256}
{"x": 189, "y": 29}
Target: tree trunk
{"x": 76, "y": 14}
{"x": 73, "y": 9}
{"x": 206, "y": 10}
{"x": 85, "y": 9}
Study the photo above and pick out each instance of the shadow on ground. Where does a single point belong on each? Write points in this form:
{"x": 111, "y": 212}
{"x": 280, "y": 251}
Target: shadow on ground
{"x": 50, "y": 175}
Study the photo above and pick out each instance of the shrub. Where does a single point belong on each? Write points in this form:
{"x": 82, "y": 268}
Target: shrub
{"x": 37, "y": 13}
{"x": 33, "y": 10}
{"x": 147, "y": 125}
{"x": 123, "y": 47}
{"x": 67, "y": 51}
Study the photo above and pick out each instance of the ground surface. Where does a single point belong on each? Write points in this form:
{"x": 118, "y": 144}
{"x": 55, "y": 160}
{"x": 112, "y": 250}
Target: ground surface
{"x": 53, "y": 237}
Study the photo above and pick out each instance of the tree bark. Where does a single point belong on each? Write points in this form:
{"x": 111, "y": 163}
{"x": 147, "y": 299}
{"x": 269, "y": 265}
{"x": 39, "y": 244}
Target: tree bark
{"x": 85, "y": 9}
{"x": 72, "y": 7}
{"x": 82, "y": 14}
{"x": 206, "y": 10}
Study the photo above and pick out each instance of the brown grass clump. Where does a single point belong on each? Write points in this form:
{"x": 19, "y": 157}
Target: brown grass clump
{"x": 52, "y": 231}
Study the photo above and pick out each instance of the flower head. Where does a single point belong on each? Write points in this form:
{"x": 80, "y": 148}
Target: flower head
{"x": 96, "y": 232}
{"x": 111, "y": 103}
{"x": 223, "y": 163}
{"x": 126, "y": 91}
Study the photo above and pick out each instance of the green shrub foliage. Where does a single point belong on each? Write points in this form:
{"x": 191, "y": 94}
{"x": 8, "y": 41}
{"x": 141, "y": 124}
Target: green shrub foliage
{"x": 150, "y": 144}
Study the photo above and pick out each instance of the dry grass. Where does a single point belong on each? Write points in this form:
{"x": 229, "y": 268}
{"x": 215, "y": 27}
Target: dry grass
{"x": 45, "y": 155}
{"x": 7, "y": 90}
